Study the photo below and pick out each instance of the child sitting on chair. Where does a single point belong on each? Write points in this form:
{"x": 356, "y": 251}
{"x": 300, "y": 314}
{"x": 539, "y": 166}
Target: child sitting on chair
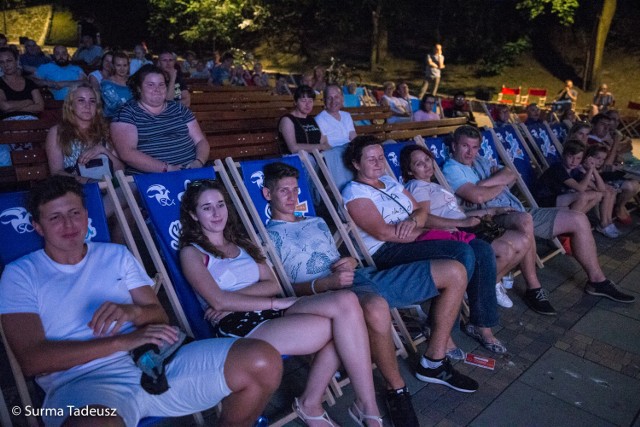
{"x": 559, "y": 187}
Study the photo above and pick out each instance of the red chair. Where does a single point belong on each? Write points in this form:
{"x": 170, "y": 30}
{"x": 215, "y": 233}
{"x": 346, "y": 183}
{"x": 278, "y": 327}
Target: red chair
{"x": 513, "y": 94}
{"x": 540, "y": 93}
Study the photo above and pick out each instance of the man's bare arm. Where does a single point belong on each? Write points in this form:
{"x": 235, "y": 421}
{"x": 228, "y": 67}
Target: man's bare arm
{"x": 37, "y": 355}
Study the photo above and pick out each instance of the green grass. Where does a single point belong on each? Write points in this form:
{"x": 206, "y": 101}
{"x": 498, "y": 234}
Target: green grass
{"x": 621, "y": 72}
{"x": 31, "y": 22}
{"x": 63, "y": 29}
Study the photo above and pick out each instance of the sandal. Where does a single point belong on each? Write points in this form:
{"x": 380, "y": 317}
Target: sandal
{"x": 360, "y": 417}
{"x": 304, "y": 417}
{"x": 493, "y": 346}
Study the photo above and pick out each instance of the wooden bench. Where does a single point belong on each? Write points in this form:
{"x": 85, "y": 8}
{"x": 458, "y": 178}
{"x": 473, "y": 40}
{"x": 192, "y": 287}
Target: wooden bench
{"x": 243, "y": 146}
{"x": 237, "y": 97}
{"x": 28, "y": 157}
{"x": 400, "y": 131}
{"x": 204, "y": 87}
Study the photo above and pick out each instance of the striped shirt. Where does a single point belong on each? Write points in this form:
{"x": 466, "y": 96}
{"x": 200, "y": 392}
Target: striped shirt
{"x": 164, "y": 136}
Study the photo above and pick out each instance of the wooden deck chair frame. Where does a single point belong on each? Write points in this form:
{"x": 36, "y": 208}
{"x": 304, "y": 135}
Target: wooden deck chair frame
{"x": 105, "y": 185}
{"x": 524, "y": 190}
{"x": 350, "y": 232}
{"x": 147, "y": 235}
{"x": 631, "y": 120}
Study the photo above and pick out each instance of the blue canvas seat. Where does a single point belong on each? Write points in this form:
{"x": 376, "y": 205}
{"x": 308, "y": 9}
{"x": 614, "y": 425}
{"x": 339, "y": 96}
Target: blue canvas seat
{"x": 160, "y": 196}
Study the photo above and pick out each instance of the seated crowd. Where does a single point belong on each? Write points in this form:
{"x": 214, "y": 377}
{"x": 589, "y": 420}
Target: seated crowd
{"x": 130, "y": 114}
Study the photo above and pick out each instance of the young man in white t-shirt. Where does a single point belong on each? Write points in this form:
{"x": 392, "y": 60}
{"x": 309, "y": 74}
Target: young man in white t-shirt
{"x": 73, "y": 310}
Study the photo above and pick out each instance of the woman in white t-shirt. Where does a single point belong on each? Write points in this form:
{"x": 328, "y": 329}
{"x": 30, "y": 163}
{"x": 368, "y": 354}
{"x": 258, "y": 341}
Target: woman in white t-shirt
{"x": 240, "y": 298}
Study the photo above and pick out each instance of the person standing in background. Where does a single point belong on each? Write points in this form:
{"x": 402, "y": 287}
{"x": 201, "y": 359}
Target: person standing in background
{"x": 435, "y": 63}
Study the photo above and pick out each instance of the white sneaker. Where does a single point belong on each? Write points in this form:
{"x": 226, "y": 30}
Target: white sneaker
{"x": 611, "y": 231}
{"x": 502, "y": 297}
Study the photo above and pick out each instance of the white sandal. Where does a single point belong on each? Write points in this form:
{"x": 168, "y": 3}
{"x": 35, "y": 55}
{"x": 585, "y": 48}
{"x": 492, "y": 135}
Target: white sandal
{"x": 360, "y": 417}
{"x": 304, "y": 417}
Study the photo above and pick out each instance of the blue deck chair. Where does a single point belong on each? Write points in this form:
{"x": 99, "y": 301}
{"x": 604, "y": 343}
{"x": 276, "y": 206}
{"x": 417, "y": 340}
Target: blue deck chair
{"x": 540, "y": 137}
{"x": 253, "y": 177}
{"x": 518, "y": 152}
{"x": 160, "y": 196}
{"x": 438, "y": 146}
{"x": 18, "y": 238}
{"x": 560, "y": 131}
{"x": 392, "y": 154}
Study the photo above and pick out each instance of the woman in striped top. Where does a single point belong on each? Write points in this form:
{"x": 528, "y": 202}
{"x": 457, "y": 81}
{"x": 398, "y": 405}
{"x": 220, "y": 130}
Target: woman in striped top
{"x": 152, "y": 134}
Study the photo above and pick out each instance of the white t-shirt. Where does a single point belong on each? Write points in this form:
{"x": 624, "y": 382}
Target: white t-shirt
{"x": 65, "y": 297}
{"x": 306, "y": 248}
{"x": 388, "y": 205}
{"x": 442, "y": 202}
{"x": 337, "y": 131}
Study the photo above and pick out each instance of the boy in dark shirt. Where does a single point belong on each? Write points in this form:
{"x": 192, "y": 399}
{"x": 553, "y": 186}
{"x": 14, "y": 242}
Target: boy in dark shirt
{"x": 558, "y": 186}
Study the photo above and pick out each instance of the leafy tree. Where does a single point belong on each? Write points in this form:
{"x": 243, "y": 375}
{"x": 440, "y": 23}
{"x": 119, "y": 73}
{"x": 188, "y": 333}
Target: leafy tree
{"x": 208, "y": 21}
{"x": 565, "y": 11}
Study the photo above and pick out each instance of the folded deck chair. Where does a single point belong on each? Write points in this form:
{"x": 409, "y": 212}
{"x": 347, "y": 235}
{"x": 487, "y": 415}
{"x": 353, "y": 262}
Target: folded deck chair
{"x": 160, "y": 196}
{"x": 511, "y": 151}
{"x": 630, "y": 119}
{"x": 543, "y": 143}
{"x": 560, "y": 131}
{"x": 18, "y": 238}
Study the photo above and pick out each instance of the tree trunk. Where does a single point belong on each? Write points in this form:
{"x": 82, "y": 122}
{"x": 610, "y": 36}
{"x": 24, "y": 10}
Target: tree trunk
{"x": 600, "y": 37}
{"x": 383, "y": 40}
{"x": 375, "y": 18}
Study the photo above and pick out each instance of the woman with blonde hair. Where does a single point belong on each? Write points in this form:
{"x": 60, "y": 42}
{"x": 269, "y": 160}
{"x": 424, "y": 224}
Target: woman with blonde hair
{"x": 81, "y": 137}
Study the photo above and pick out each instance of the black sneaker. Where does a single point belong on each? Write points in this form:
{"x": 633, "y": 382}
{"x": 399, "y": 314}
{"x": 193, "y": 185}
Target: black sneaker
{"x": 447, "y": 375}
{"x": 401, "y": 409}
{"x": 608, "y": 289}
{"x": 538, "y": 301}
